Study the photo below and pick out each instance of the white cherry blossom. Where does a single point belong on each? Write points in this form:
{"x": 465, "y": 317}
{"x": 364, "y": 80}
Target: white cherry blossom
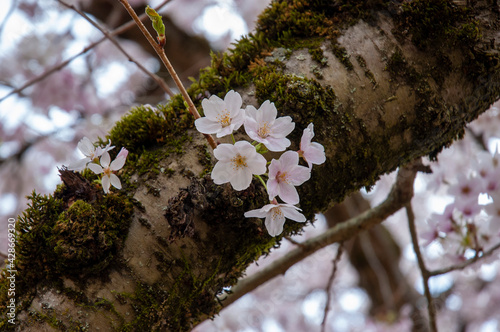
{"x": 222, "y": 117}
{"x": 284, "y": 175}
{"x": 275, "y": 215}
{"x": 263, "y": 126}
{"x": 312, "y": 152}
{"x": 90, "y": 152}
{"x": 236, "y": 164}
{"x": 107, "y": 169}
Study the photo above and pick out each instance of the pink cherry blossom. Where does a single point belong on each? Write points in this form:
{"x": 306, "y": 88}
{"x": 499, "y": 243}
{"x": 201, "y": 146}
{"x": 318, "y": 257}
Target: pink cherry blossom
{"x": 275, "y": 216}
{"x": 263, "y": 126}
{"x": 237, "y": 163}
{"x": 90, "y": 152}
{"x": 109, "y": 178}
{"x": 222, "y": 117}
{"x": 312, "y": 152}
{"x": 284, "y": 175}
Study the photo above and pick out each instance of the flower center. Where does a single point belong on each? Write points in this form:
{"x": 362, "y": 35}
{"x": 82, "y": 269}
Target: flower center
{"x": 281, "y": 177}
{"x": 277, "y": 213}
{"x": 264, "y": 130}
{"x": 225, "y": 119}
{"x": 239, "y": 161}
{"x": 107, "y": 171}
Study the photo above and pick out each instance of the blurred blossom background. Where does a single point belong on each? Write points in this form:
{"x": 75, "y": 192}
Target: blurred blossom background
{"x": 377, "y": 285}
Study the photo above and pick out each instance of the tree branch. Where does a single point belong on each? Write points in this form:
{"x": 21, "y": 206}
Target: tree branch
{"x": 163, "y": 57}
{"x": 63, "y": 64}
{"x": 155, "y": 77}
{"x": 421, "y": 264}
{"x": 400, "y": 195}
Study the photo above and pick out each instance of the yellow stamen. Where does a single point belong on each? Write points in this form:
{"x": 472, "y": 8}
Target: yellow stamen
{"x": 264, "y": 130}
{"x": 239, "y": 161}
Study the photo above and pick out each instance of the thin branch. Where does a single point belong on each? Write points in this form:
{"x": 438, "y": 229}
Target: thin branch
{"x": 401, "y": 193}
{"x": 421, "y": 264}
{"x": 466, "y": 263}
{"x": 155, "y": 77}
{"x": 329, "y": 285}
{"x": 163, "y": 57}
{"x": 63, "y": 64}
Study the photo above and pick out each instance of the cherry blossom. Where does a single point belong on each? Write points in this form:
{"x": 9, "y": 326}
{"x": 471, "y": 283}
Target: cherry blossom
{"x": 263, "y": 126}
{"x": 90, "y": 152}
{"x": 284, "y": 175}
{"x": 275, "y": 215}
{"x": 222, "y": 117}
{"x": 312, "y": 152}
{"x": 237, "y": 163}
{"x": 108, "y": 168}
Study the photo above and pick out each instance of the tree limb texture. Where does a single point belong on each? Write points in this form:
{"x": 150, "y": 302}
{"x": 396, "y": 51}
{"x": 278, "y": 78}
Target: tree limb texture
{"x": 384, "y": 82}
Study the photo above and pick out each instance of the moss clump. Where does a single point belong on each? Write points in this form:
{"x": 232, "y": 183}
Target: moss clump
{"x": 87, "y": 236}
{"x": 438, "y": 22}
{"x": 54, "y": 240}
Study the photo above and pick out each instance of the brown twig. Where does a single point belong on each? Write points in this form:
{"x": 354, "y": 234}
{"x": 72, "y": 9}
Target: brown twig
{"x": 155, "y": 77}
{"x": 400, "y": 195}
{"x": 421, "y": 264}
{"x": 466, "y": 263}
{"x": 163, "y": 57}
{"x": 329, "y": 285}
{"x": 63, "y": 64}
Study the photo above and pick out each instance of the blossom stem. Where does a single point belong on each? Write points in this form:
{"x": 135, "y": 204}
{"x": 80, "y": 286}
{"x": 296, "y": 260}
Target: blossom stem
{"x": 261, "y": 180}
{"x": 163, "y": 57}
{"x": 232, "y": 136}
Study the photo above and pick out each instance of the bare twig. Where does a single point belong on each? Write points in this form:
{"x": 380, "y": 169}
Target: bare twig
{"x": 163, "y": 57}
{"x": 329, "y": 285}
{"x": 466, "y": 263}
{"x": 63, "y": 64}
{"x": 155, "y": 77}
{"x": 400, "y": 195}
{"x": 421, "y": 264}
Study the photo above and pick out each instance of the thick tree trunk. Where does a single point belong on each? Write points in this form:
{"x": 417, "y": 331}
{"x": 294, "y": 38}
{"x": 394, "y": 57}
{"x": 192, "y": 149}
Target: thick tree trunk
{"x": 383, "y": 83}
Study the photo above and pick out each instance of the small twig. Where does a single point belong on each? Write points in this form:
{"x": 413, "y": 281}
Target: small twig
{"x": 163, "y": 57}
{"x": 425, "y": 273}
{"x": 329, "y": 285}
{"x": 155, "y": 77}
{"x": 401, "y": 193}
{"x": 63, "y": 64}
{"x": 466, "y": 263}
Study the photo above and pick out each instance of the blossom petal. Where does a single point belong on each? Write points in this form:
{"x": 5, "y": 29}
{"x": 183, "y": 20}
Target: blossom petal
{"x": 276, "y": 144}
{"x": 289, "y": 159}
{"x": 97, "y": 169}
{"x": 288, "y": 193}
{"x": 212, "y": 107}
{"x": 117, "y": 163}
{"x": 241, "y": 179}
{"x": 291, "y": 212}
{"x": 79, "y": 165}
{"x": 105, "y": 159}
{"x": 207, "y": 126}
{"x": 267, "y": 112}
{"x": 282, "y": 127}
{"x": 115, "y": 181}
{"x": 275, "y": 221}
{"x": 257, "y": 164}
{"x": 298, "y": 175}
{"x": 221, "y": 173}
{"x": 257, "y": 213}
{"x": 86, "y": 147}
{"x": 224, "y": 152}
{"x": 105, "y": 183}
{"x": 233, "y": 102}
{"x": 272, "y": 188}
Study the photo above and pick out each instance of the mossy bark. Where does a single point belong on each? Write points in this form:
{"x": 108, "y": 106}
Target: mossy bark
{"x": 382, "y": 86}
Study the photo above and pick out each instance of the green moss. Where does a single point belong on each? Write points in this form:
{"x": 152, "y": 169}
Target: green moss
{"x": 341, "y": 54}
{"x": 438, "y": 22}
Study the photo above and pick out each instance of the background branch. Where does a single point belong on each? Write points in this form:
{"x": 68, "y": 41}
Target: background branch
{"x": 400, "y": 194}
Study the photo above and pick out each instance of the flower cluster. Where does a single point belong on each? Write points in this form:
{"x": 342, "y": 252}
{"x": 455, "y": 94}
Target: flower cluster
{"x": 238, "y": 163}
{"x": 98, "y": 160}
{"x": 472, "y": 220}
